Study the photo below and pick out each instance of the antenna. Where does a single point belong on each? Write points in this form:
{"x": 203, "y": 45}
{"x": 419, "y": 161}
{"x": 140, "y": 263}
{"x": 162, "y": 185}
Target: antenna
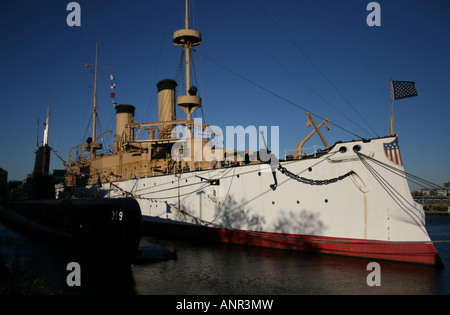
{"x": 93, "y": 145}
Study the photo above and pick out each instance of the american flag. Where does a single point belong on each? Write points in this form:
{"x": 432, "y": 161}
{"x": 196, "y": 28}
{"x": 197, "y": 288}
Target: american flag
{"x": 392, "y": 151}
{"x": 403, "y": 89}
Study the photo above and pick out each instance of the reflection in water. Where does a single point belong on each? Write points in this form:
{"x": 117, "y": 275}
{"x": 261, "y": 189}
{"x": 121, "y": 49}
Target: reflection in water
{"x": 220, "y": 270}
{"x": 228, "y": 269}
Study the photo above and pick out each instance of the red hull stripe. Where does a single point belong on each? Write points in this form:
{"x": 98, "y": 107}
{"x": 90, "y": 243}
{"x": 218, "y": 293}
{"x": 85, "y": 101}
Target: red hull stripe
{"x": 410, "y": 252}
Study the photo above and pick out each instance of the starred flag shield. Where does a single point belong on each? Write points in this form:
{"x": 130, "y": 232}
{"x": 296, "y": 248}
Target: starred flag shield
{"x": 392, "y": 151}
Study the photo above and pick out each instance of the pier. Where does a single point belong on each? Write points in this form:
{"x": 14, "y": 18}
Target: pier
{"x": 434, "y": 205}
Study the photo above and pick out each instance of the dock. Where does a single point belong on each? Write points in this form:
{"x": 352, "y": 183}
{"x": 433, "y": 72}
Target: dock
{"x": 437, "y": 213}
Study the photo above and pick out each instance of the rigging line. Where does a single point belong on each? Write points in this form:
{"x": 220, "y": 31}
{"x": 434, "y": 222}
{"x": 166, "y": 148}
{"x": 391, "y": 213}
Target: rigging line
{"x": 172, "y": 197}
{"x": 403, "y": 173}
{"x": 141, "y": 196}
{"x": 158, "y": 60}
{"x": 326, "y": 157}
{"x": 392, "y": 191}
{"x": 273, "y": 93}
{"x": 299, "y": 79}
{"x": 169, "y": 182}
{"x": 226, "y": 196}
{"x": 196, "y": 83}
{"x": 383, "y": 185}
{"x": 187, "y": 185}
{"x": 179, "y": 71}
{"x": 141, "y": 191}
{"x": 315, "y": 66}
{"x": 383, "y": 181}
{"x": 394, "y": 194}
{"x": 264, "y": 192}
{"x": 416, "y": 180}
{"x": 138, "y": 23}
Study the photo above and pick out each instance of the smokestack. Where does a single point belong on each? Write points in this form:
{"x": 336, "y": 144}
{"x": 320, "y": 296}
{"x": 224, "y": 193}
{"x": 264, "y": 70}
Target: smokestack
{"x": 166, "y": 106}
{"x": 124, "y": 115}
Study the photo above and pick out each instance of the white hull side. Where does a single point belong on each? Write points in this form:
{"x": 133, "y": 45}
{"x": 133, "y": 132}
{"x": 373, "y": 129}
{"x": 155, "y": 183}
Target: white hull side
{"x": 356, "y": 207}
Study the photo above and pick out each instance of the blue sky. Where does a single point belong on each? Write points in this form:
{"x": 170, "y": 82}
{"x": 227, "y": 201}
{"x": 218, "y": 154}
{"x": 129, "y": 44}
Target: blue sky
{"x": 271, "y": 43}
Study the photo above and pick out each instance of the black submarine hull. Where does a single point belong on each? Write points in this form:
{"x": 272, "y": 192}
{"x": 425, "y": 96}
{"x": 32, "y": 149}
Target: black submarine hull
{"x": 109, "y": 228}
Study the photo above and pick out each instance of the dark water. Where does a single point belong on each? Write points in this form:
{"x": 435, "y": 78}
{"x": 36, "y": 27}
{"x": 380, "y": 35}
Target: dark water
{"x": 36, "y": 267}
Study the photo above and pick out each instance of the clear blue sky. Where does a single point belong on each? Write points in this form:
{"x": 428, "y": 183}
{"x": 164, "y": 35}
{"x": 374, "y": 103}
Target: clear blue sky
{"x": 41, "y": 65}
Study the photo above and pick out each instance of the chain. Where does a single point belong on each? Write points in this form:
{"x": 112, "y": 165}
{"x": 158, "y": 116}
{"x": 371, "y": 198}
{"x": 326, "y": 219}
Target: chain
{"x": 312, "y": 181}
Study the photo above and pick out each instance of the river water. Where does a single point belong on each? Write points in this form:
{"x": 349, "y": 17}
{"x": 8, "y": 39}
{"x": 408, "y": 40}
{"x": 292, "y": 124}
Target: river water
{"x": 199, "y": 269}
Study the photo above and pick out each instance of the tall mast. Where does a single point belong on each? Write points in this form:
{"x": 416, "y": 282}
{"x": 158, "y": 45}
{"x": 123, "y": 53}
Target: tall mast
{"x": 45, "y": 141}
{"x": 94, "y": 111}
{"x": 187, "y": 38}
{"x": 187, "y": 48}
{"x": 93, "y": 145}
{"x": 186, "y": 20}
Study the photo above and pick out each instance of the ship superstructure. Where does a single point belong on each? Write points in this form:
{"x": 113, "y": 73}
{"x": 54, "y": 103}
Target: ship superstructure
{"x": 145, "y": 149}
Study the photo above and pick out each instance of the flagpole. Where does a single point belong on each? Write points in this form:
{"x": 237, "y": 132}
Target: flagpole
{"x": 392, "y": 109}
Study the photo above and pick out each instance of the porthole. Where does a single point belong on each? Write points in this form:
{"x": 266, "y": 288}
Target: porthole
{"x": 259, "y": 173}
{"x": 298, "y": 201}
{"x": 343, "y": 149}
{"x": 326, "y": 200}
{"x": 310, "y": 169}
{"x": 357, "y": 148}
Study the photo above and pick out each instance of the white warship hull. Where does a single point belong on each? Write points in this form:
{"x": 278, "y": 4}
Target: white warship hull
{"x": 343, "y": 202}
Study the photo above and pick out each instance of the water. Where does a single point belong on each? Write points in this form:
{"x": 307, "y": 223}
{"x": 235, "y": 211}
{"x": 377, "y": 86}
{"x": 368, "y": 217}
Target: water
{"x": 219, "y": 270}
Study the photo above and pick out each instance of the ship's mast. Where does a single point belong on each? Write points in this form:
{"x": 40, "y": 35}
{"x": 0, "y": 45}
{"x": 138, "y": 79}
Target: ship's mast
{"x": 45, "y": 141}
{"x": 94, "y": 111}
{"x": 187, "y": 38}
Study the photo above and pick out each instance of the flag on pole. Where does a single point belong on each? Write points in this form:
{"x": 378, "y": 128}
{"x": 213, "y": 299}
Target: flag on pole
{"x": 403, "y": 89}
{"x": 113, "y": 95}
{"x": 111, "y": 77}
{"x": 113, "y": 86}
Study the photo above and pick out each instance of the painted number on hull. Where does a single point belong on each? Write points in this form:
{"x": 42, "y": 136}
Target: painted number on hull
{"x": 116, "y": 215}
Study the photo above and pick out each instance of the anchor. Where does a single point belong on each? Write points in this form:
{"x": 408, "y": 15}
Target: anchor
{"x": 266, "y": 156}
